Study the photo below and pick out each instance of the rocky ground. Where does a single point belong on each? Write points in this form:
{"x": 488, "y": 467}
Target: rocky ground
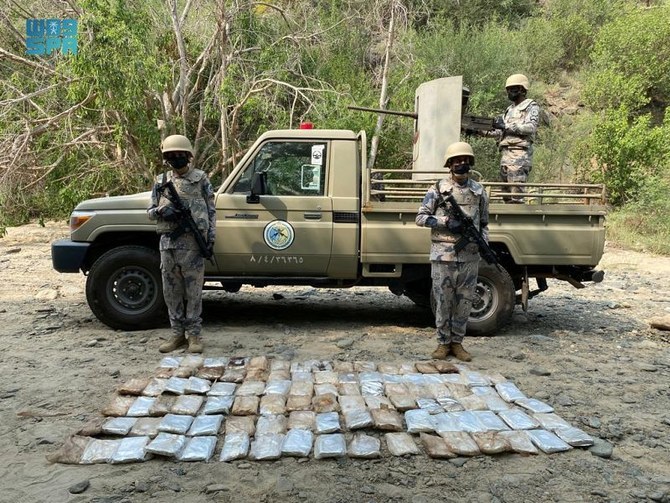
{"x": 590, "y": 353}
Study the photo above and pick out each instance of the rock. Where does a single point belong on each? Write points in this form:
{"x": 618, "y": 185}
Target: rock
{"x": 91, "y": 344}
{"x": 540, "y": 372}
{"x": 12, "y": 250}
{"x": 344, "y": 343}
{"x": 565, "y": 401}
{"x": 47, "y": 294}
{"x": 601, "y": 448}
{"x": 215, "y": 488}
{"x": 367, "y": 490}
{"x": 277, "y": 296}
{"x": 592, "y": 422}
{"x": 141, "y": 487}
{"x": 660, "y": 322}
{"x": 647, "y": 367}
{"x": 79, "y": 487}
{"x": 458, "y": 461}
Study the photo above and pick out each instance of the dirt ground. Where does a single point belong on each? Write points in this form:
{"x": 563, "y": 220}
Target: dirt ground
{"x": 590, "y": 353}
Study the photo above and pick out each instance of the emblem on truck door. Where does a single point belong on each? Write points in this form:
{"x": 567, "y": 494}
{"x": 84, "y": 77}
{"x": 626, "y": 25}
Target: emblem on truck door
{"x": 278, "y": 235}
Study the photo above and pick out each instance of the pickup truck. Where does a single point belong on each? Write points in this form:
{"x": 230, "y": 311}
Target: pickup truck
{"x": 302, "y": 208}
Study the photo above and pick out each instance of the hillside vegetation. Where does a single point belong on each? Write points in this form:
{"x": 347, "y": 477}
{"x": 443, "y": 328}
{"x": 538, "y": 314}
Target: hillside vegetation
{"x": 222, "y": 72}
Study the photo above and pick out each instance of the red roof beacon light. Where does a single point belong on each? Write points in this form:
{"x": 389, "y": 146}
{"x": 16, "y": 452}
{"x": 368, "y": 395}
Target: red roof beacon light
{"x": 306, "y": 125}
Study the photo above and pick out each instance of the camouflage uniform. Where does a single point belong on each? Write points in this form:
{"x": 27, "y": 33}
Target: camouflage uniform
{"x": 182, "y": 265}
{"x": 516, "y": 143}
{"x": 454, "y": 273}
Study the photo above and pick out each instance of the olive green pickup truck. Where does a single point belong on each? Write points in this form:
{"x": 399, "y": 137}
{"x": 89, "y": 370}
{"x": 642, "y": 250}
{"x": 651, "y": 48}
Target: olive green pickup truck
{"x": 302, "y": 208}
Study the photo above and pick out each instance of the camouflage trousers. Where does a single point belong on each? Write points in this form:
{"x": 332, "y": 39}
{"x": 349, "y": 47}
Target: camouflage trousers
{"x": 453, "y": 289}
{"x": 515, "y": 165}
{"x": 183, "y": 273}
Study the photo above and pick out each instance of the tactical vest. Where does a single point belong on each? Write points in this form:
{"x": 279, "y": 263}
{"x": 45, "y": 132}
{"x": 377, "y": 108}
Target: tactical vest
{"x": 468, "y": 198}
{"x": 191, "y": 191}
{"x": 518, "y": 114}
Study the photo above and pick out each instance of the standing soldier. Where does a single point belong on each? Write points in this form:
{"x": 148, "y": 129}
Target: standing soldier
{"x": 515, "y": 132}
{"x": 182, "y": 261}
{"x": 454, "y": 272}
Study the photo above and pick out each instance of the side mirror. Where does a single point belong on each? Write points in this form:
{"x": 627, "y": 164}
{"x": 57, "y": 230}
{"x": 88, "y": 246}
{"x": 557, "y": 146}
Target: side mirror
{"x": 259, "y": 182}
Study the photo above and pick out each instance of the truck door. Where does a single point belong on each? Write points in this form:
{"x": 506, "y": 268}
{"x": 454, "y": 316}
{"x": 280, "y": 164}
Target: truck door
{"x": 288, "y": 231}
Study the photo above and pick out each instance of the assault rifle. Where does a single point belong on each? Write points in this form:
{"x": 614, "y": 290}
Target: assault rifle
{"x": 470, "y": 234}
{"x": 185, "y": 220}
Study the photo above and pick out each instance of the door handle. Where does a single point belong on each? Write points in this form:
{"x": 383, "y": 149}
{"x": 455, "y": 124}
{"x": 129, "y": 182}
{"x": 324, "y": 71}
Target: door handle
{"x": 312, "y": 216}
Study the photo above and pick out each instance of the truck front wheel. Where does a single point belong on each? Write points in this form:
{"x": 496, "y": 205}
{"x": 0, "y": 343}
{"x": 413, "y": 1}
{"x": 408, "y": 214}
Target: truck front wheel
{"x": 124, "y": 288}
{"x": 493, "y": 303}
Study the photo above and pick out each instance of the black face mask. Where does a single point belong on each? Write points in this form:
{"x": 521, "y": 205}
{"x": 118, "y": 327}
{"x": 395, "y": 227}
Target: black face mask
{"x": 178, "y": 162}
{"x": 461, "y": 169}
{"x": 513, "y": 94}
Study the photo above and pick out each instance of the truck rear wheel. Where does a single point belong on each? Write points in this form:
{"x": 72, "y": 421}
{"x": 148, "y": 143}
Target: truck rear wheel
{"x": 124, "y": 288}
{"x": 493, "y": 304}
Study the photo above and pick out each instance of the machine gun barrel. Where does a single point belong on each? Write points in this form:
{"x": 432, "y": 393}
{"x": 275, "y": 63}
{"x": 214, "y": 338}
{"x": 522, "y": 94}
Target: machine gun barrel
{"x": 413, "y": 115}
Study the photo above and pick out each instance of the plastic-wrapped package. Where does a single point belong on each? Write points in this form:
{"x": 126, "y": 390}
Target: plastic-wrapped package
{"x": 378, "y": 402}
{"x": 279, "y": 375}
{"x": 401, "y": 444}
{"x": 222, "y": 389}
{"x": 342, "y": 366}
{"x": 298, "y": 443}
{"x": 192, "y": 361}
{"x": 347, "y": 377}
{"x": 327, "y": 422}
{"x": 372, "y": 388}
{"x": 167, "y": 444}
{"x": 509, "y": 392}
{"x": 534, "y": 405}
{"x": 246, "y": 424}
{"x": 218, "y": 405}
{"x": 460, "y": 443}
{"x": 267, "y": 447}
{"x": 351, "y": 402}
{"x": 155, "y": 387}
{"x": 326, "y": 388}
{"x": 234, "y": 374}
{"x": 430, "y": 405}
{"x": 426, "y": 367}
{"x": 272, "y": 405}
{"x": 118, "y": 406}
{"x": 330, "y": 446}
{"x": 259, "y": 362}
{"x": 349, "y": 389}
{"x": 495, "y": 403}
{"x": 235, "y": 446}
{"x": 184, "y": 372}
{"x": 251, "y": 388}
{"x": 435, "y": 446}
{"x": 473, "y": 402}
{"x": 215, "y": 362}
{"x": 175, "y": 423}
{"x": 519, "y": 441}
{"x": 131, "y": 450}
{"x": 388, "y": 368}
{"x": 550, "y": 421}
{"x": 364, "y": 446}
{"x": 395, "y": 388}
{"x": 490, "y": 420}
{"x": 446, "y": 421}
{"x": 419, "y": 420}
{"x": 298, "y": 402}
{"x": 188, "y": 404}
{"x": 416, "y": 379}
{"x": 326, "y": 377}
{"x": 302, "y": 389}
{"x": 547, "y": 442}
{"x": 176, "y": 385}
{"x": 238, "y": 362}
{"x": 277, "y": 364}
{"x": 197, "y": 385}
{"x": 356, "y": 419}
{"x": 450, "y": 404}
{"x": 468, "y": 421}
{"x": 302, "y": 376}
{"x": 391, "y": 378}
{"x": 133, "y": 386}
{"x": 369, "y": 376}
{"x": 325, "y": 403}
{"x": 164, "y": 373}
{"x": 458, "y": 391}
{"x": 518, "y": 419}
{"x": 256, "y": 374}
{"x": 198, "y": 449}
{"x": 282, "y": 387}
{"x": 402, "y": 402}
{"x": 574, "y": 436}
{"x": 163, "y": 405}
{"x": 491, "y": 442}
{"x": 170, "y": 362}
{"x": 407, "y": 368}
{"x": 438, "y": 390}
{"x": 245, "y": 405}
{"x": 364, "y": 366}
{"x": 387, "y": 419}
{"x": 145, "y": 427}
{"x": 100, "y": 451}
{"x": 205, "y": 426}
{"x": 267, "y": 425}
{"x": 141, "y": 406}
{"x": 473, "y": 378}
{"x": 118, "y": 425}
{"x": 302, "y": 420}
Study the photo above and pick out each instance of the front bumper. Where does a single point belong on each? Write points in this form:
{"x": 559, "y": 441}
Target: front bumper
{"x": 68, "y": 255}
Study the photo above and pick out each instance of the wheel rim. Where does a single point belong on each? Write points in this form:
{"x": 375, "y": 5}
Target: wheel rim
{"x": 485, "y": 300}
{"x": 132, "y": 289}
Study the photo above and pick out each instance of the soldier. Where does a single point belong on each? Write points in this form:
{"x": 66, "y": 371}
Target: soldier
{"x": 515, "y": 132}
{"x": 182, "y": 263}
{"x": 454, "y": 273}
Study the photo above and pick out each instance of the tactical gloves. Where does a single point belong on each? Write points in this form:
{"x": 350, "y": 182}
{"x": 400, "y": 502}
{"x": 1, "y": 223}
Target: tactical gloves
{"x": 169, "y": 214}
{"x": 454, "y": 225}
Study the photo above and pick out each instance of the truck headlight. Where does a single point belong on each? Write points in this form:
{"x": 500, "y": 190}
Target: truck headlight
{"x": 79, "y": 218}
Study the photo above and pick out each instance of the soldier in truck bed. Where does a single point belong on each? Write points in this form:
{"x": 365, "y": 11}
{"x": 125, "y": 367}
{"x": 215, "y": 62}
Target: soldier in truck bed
{"x": 515, "y": 133}
{"x": 454, "y": 273}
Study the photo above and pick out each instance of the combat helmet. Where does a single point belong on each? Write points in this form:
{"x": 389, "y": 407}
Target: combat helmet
{"x": 458, "y": 149}
{"x": 518, "y": 79}
{"x": 176, "y": 143}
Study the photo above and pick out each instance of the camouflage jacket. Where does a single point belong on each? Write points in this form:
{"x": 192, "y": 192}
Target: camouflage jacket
{"x": 474, "y": 202}
{"x": 521, "y": 122}
{"x": 197, "y": 194}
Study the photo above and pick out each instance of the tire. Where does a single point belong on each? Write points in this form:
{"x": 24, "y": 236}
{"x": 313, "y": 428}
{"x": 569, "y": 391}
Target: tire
{"x": 493, "y": 304}
{"x": 124, "y": 289}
